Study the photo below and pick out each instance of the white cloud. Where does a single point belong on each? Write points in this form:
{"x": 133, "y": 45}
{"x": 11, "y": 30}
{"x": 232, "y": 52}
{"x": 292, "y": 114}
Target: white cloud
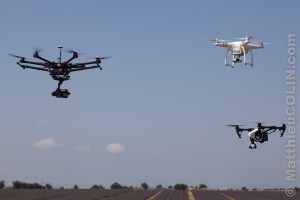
{"x": 115, "y": 148}
{"x": 46, "y": 144}
{"x": 83, "y": 149}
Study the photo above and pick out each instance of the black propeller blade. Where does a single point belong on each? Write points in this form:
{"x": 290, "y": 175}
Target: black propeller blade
{"x": 102, "y": 58}
{"x": 98, "y": 58}
{"x": 69, "y": 50}
{"x": 37, "y": 49}
{"x": 259, "y": 124}
{"x": 13, "y": 55}
{"x": 233, "y": 125}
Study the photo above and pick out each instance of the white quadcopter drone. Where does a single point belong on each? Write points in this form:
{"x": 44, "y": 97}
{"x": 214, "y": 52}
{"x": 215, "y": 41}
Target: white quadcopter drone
{"x": 239, "y": 49}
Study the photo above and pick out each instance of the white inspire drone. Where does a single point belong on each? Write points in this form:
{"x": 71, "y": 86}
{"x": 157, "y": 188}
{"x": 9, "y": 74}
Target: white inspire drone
{"x": 239, "y": 49}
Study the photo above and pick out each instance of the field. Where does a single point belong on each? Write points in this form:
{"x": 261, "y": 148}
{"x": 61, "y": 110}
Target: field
{"x": 94, "y": 194}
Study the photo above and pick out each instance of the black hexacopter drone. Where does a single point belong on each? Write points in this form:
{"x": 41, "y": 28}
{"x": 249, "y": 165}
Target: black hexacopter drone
{"x": 260, "y": 133}
{"x": 59, "y": 71}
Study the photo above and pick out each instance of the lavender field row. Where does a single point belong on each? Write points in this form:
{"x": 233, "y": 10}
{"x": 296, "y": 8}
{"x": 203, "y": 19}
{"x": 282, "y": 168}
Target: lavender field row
{"x": 65, "y": 194}
{"x": 124, "y": 194}
{"x": 258, "y": 195}
{"x": 172, "y": 195}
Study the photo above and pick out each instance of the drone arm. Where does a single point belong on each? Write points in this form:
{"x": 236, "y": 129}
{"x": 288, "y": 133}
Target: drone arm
{"x": 85, "y": 63}
{"x": 31, "y": 62}
{"x": 246, "y": 129}
{"x": 36, "y": 55}
{"x": 80, "y": 69}
{"x": 239, "y": 133}
{"x": 75, "y": 55}
{"x": 30, "y": 67}
{"x": 281, "y": 130}
{"x": 271, "y": 130}
{"x": 239, "y": 130}
{"x": 68, "y": 61}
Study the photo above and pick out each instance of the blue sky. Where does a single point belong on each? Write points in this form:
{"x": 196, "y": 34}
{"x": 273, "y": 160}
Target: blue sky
{"x": 164, "y": 96}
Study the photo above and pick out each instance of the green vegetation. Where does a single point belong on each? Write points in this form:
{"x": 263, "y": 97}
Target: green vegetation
{"x": 2, "y": 184}
{"x": 116, "y": 185}
{"x": 145, "y": 186}
{"x": 202, "y": 186}
{"x": 244, "y": 188}
{"x": 97, "y": 187}
{"x": 180, "y": 186}
{"x": 159, "y": 186}
{"x": 48, "y": 186}
{"x": 23, "y": 185}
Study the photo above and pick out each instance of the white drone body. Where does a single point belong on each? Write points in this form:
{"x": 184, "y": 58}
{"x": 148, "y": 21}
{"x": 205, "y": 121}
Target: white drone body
{"x": 239, "y": 49}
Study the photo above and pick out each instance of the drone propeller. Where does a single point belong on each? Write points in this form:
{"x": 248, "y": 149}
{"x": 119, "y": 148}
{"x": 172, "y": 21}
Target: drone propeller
{"x": 98, "y": 58}
{"x": 37, "y": 50}
{"x": 69, "y": 50}
{"x": 247, "y": 37}
{"x": 102, "y": 58}
{"x": 259, "y": 122}
{"x": 216, "y": 40}
{"x": 237, "y": 129}
{"x": 213, "y": 40}
{"x": 13, "y": 55}
{"x": 233, "y": 125}
{"x": 263, "y": 43}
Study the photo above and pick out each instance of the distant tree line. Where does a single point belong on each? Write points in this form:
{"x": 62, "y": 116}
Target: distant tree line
{"x": 24, "y": 185}
{"x": 180, "y": 186}
{"x": 117, "y": 185}
{"x": 98, "y": 187}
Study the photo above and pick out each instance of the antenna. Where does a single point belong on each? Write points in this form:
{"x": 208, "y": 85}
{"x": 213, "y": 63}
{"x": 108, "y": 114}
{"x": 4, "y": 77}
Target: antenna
{"x": 60, "y": 47}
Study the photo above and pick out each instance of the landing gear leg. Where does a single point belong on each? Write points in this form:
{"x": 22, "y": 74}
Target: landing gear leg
{"x": 251, "y": 64}
{"x": 226, "y": 63}
{"x": 253, "y": 145}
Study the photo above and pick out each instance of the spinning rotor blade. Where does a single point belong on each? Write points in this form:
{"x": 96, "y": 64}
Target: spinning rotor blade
{"x": 102, "y": 58}
{"x": 259, "y": 122}
{"x": 264, "y": 43}
{"x": 38, "y": 50}
{"x": 233, "y": 125}
{"x": 249, "y": 37}
{"x": 216, "y": 40}
{"x": 13, "y": 55}
{"x": 69, "y": 50}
